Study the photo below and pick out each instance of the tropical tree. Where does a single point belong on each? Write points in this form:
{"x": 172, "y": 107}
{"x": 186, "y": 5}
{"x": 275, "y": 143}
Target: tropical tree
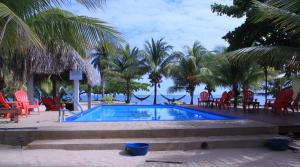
{"x": 27, "y": 25}
{"x": 227, "y": 72}
{"x": 129, "y": 65}
{"x": 187, "y": 74}
{"x": 284, "y": 14}
{"x": 102, "y": 58}
{"x": 158, "y": 61}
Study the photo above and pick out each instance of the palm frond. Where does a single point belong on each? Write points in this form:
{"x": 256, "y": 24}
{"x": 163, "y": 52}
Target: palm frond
{"x": 22, "y": 29}
{"x": 282, "y": 13}
{"x": 271, "y": 56}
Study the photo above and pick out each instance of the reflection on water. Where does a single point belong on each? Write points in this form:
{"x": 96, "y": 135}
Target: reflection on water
{"x": 146, "y": 113}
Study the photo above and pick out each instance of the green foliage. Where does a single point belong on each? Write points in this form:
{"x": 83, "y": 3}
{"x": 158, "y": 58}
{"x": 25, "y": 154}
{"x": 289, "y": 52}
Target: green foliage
{"x": 158, "y": 61}
{"x": 187, "y": 74}
{"x": 108, "y": 99}
{"x": 237, "y": 76}
{"x": 283, "y": 14}
{"x": 46, "y": 87}
{"x": 252, "y": 34}
{"x": 128, "y": 65}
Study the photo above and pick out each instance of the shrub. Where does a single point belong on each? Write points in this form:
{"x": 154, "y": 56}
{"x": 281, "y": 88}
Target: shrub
{"x": 108, "y": 99}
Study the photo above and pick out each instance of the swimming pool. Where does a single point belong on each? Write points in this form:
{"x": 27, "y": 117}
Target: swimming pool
{"x": 119, "y": 113}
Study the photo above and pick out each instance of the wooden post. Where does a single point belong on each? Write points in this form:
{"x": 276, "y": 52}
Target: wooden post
{"x": 54, "y": 86}
{"x": 30, "y": 87}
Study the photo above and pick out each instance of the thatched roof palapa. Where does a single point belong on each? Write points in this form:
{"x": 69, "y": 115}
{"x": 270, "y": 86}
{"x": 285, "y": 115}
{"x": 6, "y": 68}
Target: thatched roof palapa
{"x": 68, "y": 59}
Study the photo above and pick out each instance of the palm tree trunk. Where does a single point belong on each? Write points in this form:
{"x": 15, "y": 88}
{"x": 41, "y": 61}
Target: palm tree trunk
{"x": 102, "y": 86}
{"x": 2, "y": 83}
{"x": 192, "y": 97}
{"x": 235, "y": 91}
{"x": 266, "y": 83}
{"x": 155, "y": 91}
{"x": 127, "y": 91}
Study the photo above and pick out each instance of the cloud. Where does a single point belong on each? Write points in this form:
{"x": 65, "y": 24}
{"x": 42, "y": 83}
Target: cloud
{"x": 179, "y": 22}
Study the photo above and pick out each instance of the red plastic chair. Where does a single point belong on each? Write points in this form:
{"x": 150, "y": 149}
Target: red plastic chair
{"x": 224, "y": 101}
{"x": 282, "y": 101}
{"x": 51, "y": 104}
{"x": 248, "y": 97}
{"x": 21, "y": 96}
{"x": 10, "y": 107}
{"x": 203, "y": 99}
{"x": 295, "y": 103}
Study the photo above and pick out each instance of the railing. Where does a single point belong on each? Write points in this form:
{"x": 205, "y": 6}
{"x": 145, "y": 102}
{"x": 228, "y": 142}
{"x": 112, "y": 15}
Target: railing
{"x": 61, "y": 112}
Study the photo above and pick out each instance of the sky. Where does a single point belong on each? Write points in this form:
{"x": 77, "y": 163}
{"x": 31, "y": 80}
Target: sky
{"x": 179, "y": 22}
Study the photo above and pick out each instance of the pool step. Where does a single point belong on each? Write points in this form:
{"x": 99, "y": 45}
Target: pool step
{"x": 156, "y": 144}
{"x": 154, "y": 133}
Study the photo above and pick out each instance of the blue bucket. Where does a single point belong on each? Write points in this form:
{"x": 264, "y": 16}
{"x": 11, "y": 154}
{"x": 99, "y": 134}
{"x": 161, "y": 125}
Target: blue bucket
{"x": 278, "y": 144}
{"x": 137, "y": 149}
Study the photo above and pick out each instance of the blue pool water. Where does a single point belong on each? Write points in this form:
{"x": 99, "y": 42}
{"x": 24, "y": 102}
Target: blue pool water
{"x": 118, "y": 113}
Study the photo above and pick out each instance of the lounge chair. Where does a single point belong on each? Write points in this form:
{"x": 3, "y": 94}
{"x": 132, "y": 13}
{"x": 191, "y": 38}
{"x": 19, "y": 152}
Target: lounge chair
{"x": 21, "y": 96}
{"x": 203, "y": 99}
{"x": 248, "y": 99}
{"x": 282, "y": 101}
{"x": 51, "y": 104}
{"x": 295, "y": 103}
{"x": 10, "y": 109}
{"x": 224, "y": 101}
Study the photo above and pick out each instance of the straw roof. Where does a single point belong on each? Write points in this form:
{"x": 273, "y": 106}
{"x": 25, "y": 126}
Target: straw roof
{"x": 68, "y": 59}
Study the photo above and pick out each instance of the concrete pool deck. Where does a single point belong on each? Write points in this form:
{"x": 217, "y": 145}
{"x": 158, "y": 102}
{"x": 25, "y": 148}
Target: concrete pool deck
{"x": 43, "y": 131}
{"x": 247, "y": 157}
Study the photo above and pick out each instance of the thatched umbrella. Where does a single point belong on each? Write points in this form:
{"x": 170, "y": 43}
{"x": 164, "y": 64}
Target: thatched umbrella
{"x": 54, "y": 64}
{"x": 41, "y": 62}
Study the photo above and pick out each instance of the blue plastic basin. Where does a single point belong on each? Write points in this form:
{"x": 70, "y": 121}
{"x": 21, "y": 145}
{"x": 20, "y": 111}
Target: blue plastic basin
{"x": 278, "y": 144}
{"x": 137, "y": 149}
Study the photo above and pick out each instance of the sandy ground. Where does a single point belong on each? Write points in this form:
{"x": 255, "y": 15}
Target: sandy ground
{"x": 252, "y": 157}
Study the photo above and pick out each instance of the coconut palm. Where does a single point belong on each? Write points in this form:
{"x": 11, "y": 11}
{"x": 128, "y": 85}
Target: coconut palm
{"x": 158, "y": 61}
{"x": 185, "y": 76}
{"x": 226, "y": 72}
{"x": 188, "y": 73}
{"x": 282, "y": 13}
{"x": 129, "y": 65}
{"x": 27, "y": 23}
{"x": 101, "y": 59}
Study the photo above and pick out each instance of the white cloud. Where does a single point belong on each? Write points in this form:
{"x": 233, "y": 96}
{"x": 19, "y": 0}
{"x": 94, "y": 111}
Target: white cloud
{"x": 180, "y": 22}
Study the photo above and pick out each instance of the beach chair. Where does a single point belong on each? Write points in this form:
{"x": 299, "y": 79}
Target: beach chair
{"x": 203, "y": 99}
{"x": 295, "y": 103}
{"x": 51, "y": 104}
{"x": 224, "y": 101}
{"x": 10, "y": 109}
{"x": 282, "y": 101}
{"x": 21, "y": 97}
{"x": 248, "y": 99}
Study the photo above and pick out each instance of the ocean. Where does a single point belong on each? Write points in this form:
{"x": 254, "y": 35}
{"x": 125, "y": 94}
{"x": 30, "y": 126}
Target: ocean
{"x": 160, "y": 99}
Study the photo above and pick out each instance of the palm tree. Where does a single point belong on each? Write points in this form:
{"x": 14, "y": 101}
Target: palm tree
{"x": 158, "y": 61}
{"x": 188, "y": 73}
{"x": 101, "y": 59}
{"x": 284, "y": 14}
{"x": 228, "y": 73}
{"x": 185, "y": 76}
{"x": 129, "y": 65}
{"x": 27, "y": 25}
